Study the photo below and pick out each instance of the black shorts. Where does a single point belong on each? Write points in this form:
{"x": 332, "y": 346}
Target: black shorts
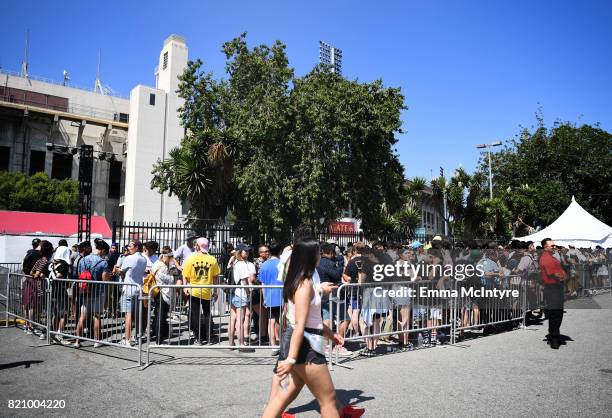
{"x": 274, "y": 312}
{"x": 306, "y": 354}
{"x": 255, "y": 297}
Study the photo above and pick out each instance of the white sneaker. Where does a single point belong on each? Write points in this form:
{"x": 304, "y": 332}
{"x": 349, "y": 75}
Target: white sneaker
{"x": 97, "y": 345}
{"x": 343, "y": 352}
{"x": 29, "y": 332}
{"x": 42, "y": 337}
{"x": 64, "y": 341}
{"x": 124, "y": 342}
{"x": 77, "y": 345}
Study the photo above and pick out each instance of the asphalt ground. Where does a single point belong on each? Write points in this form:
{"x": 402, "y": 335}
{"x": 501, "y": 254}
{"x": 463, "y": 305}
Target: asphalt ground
{"x": 511, "y": 374}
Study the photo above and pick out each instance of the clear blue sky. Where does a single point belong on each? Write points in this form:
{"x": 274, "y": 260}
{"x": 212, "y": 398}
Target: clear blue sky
{"x": 472, "y": 71}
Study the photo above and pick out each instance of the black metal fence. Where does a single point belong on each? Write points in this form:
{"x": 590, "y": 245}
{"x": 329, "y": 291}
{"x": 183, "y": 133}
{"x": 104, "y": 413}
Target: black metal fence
{"x": 175, "y": 235}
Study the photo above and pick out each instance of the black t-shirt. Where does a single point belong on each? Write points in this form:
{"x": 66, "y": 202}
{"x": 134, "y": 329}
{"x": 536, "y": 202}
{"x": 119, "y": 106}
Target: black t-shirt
{"x": 32, "y": 256}
{"x": 351, "y": 268}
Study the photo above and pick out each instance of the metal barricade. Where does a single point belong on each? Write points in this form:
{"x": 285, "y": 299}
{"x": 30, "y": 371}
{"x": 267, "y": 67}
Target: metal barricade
{"x": 214, "y": 316}
{"x": 419, "y": 313}
{"x": 498, "y": 300}
{"x": 101, "y": 312}
{"x": 596, "y": 278}
{"x": 28, "y": 300}
{"x": 5, "y": 270}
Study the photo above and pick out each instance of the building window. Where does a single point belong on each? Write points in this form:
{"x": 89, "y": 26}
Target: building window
{"x": 152, "y": 99}
{"x": 5, "y": 158}
{"x": 122, "y": 117}
{"x": 62, "y": 166}
{"x": 165, "y": 63}
{"x": 114, "y": 180}
{"x": 37, "y": 162}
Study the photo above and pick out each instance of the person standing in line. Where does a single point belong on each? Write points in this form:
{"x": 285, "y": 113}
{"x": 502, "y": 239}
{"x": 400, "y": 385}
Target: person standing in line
{"x": 552, "y": 276}
{"x": 93, "y": 295}
{"x": 132, "y": 269}
{"x": 182, "y": 252}
{"x": 268, "y": 275}
{"x": 201, "y": 268}
{"x": 165, "y": 270}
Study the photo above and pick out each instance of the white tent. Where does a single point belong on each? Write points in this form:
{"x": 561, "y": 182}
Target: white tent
{"x": 575, "y": 227}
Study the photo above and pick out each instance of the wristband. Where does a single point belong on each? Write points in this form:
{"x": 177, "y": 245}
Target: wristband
{"x": 290, "y": 360}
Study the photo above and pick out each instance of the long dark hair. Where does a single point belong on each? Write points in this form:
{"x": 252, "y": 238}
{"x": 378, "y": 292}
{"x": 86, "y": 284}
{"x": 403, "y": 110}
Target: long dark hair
{"x": 302, "y": 266}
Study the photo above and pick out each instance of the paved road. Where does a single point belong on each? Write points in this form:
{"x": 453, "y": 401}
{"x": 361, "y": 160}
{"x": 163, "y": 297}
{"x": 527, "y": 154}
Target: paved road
{"x": 509, "y": 374}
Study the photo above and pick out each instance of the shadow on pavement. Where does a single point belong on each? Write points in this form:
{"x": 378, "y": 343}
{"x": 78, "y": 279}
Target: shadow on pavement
{"x": 345, "y": 397}
{"x": 25, "y": 363}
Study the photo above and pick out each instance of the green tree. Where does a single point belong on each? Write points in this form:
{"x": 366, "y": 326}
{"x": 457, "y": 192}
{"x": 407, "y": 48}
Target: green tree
{"x": 279, "y": 150}
{"x": 537, "y": 173}
{"x": 37, "y": 193}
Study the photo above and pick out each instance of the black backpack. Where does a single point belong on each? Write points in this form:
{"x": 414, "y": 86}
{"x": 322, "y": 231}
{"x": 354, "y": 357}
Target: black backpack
{"x": 30, "y": 259}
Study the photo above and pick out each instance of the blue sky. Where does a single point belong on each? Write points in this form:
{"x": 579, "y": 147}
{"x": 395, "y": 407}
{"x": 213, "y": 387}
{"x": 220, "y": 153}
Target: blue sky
{"x": 472, "y": 71}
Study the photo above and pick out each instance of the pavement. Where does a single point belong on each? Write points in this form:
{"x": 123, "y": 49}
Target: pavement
{"x": 511, "y": 374}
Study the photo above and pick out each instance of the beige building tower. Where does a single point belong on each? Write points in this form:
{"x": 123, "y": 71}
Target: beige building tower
{"x": 153, "y": 131}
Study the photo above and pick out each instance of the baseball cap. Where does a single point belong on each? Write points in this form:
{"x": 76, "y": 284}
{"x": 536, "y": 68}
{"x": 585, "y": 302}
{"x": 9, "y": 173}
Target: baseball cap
{"x": 416, "y": 244}
{"x": 331, "y": 241}
{"x": 437, "y": 238}
{"x": 203, "y": 244}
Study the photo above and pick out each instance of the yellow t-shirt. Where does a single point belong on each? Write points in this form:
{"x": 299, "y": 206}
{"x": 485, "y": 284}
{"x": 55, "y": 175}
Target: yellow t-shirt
{"x": 201, "y": 269}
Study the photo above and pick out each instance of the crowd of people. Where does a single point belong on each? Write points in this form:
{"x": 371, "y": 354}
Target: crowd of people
{"x": 256, "y": 314}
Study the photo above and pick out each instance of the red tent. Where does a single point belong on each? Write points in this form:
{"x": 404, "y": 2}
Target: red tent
{"x": 28, "y": 223}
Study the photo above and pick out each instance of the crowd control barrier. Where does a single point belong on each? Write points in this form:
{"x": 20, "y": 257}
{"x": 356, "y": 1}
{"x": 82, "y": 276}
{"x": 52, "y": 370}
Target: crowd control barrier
{"x": 5, "y": 270}
{"x": 244, "y": 318}
{"x": 103, "y": 312}
{"x": 214, "y": 317}
{"x": 28, "y": 300}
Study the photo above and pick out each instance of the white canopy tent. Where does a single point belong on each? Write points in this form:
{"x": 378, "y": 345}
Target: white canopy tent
{"x": 575, "y": 227}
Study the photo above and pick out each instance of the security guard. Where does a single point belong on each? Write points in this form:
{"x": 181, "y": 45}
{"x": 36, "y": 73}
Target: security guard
{"x": 552, "y": 276}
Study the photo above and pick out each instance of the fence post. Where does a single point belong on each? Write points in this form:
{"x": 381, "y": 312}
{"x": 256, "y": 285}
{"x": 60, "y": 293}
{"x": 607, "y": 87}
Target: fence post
{"x": 8, "y": 298}
{"x": 151, "y": 291}
{"x": 453, "y": 308}
{"x": 524, "y": 302}
{"x": 139, "y": 325}
{"x": 49, "y": 311}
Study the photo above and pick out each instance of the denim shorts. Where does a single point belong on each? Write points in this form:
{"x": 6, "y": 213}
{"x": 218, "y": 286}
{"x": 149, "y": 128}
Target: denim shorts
{"x": 238, "y": 302}
{"x": 341, "y": 305}
{"x": 128, "y": 303}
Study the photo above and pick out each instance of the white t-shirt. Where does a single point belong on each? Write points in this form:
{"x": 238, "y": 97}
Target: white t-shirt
{"x": 242, "y": 270}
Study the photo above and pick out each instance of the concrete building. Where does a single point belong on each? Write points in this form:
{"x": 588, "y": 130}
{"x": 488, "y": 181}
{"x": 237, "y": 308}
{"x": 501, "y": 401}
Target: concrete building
{"x": 154, "y": 130}
{"x": 136, "y": 131}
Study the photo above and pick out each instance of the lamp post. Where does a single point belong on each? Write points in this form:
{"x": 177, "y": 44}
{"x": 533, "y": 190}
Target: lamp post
{"x": 488, "y": 148}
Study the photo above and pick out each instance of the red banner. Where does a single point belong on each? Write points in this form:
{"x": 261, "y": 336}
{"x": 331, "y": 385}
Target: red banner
{"x": 341, "y": 228}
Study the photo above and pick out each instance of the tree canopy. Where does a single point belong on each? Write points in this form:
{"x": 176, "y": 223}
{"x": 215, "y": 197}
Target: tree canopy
{"x": 37, "y": 193}
{"x": 279, "y": 150}
{"x": 534, "y": 179}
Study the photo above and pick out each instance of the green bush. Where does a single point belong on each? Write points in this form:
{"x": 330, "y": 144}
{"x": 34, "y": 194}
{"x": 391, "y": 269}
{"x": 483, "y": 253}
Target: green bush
{"x": 38, "y": 193}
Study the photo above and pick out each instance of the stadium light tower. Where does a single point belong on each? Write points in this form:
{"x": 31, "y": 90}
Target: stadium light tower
{"x": 331, "y": 56}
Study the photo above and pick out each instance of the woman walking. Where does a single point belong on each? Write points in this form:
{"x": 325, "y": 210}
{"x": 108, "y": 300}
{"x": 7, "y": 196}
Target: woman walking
{"x": 302, "y": 355}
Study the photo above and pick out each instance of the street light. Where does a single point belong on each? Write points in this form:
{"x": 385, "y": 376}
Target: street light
{"x": 488, "y": 148}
